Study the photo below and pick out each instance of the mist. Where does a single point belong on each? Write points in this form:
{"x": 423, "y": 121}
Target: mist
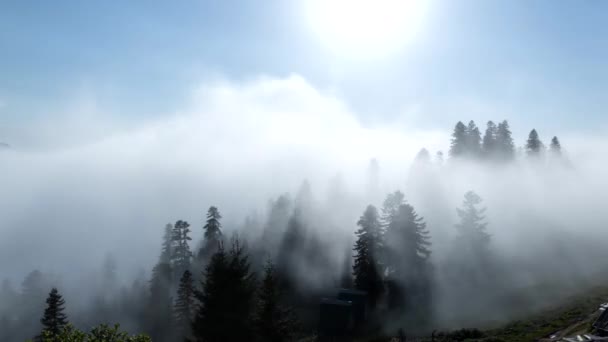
{"x": 106, "y": 187}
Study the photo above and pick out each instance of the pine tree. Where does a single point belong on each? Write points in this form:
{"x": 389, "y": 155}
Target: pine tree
{"x": 458, "y": 147}
{"x": 504, "y": 142}
{"x": 226, "y": 301}
{"x": 390, "y": 206}
{"x": 408, "y": 244}
{"x": 212, "y": 235}
{"x": 158, "y": 317}
{"x": 54, "y": 319}
{"x": 184, "y": 306}
{"x": 555, "y": 148}
{"x": 181, "y": 255}
{"x": 473, "y": 140}
{"x": 472, "y": 228}
{"x": 534, "y": 146}
{"x": 167, "y": 249}
{"x": 489, "y": 144}
{"x": 292, "y": 249}
{"x": 273, "y": 322}
{"x": 366, "y": 268}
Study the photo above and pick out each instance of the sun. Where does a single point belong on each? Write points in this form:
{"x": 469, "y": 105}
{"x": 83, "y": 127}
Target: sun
{"x": 366, "y": 28}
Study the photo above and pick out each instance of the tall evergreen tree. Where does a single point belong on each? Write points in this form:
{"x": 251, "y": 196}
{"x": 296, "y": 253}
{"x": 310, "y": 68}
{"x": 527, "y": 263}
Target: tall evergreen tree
{"x": 458, "y": 146}
{"x": 184, "y": 306}
{"x": 534, "y": 146}
{"x": 408, "y": 243}
{"x": 213, "y": 233}
{"x": 555, "y": 148}
{"x": 226, "y": 301}
{"x": 181, "y": 255}
{"x": 273, "y": 321}
{"x": 158, "y": 316}
{"x": 473, "y": 140}
{"x": 54, "y": 319}
{"x": 390, "y": 206}
{"x": 366, "y": 268}
{"x": 489, "y": 144}
{"x": 504, "y": 142}
{"x": 472, "y": 228}
{"x": 346, "y": 278}
{"x": 167, "y": 249}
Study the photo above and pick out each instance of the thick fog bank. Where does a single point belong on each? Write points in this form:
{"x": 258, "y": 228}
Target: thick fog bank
{"x": 62, "y": 211}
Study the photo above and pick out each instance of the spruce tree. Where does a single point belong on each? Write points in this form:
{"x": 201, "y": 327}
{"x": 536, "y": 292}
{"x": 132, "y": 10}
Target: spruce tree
{"x": 181, "y": 255}
{"x": 489, "y": 144}
{"x": 54, "y": 319}
{"x": 504, "y": 142}
{"x": 273, "y": 321}
{"x": 458, "y": 147}
{"x": 408, "y": 243}
{"x": 225, "y": 312}
{"x": 555, "y": 148}
{"x": 167, "y": 249}
{"x": 346, "y": 276}
{"x": 472, "y": 228}
{"x": 184, "y": 306}
{"x": 212, "y": 235}
{"x": 473, "y": 140}
{"x": 158, "y": 314}
{"x": 390, "y": 206}
{"x": 534, "y": 146}
{"x": 366, "y": 268}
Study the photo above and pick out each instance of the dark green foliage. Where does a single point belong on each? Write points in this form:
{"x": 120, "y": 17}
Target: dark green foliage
{"x": 273, "y": 322}
{"x": 534, "y": 146}
{"x": 504, "y": 142}
{"x": 181, "y": 255}
{"x": 102, "y": 333}
{"x": 227, "y": 298}
{"x": 458, "y": 145}
{"x": 54, "y": 319}
{"x": 366, "y": 269}
{"x": 184, "y": 305}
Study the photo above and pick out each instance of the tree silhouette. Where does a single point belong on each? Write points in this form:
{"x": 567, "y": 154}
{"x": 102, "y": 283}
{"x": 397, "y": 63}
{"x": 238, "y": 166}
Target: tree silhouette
{"x": 212, "y": 234}
{"x": 555, "y": 148}
{"x": 489, "y": 143}
{"x": 184, "y": 306}
{"x": 533, "y": 145}
{"x": 181, "y": 255}
{"x": 472, "y": 228}
{"x": 504, "y": 142}
{"x": 273, "y": 322}
{"x": 458, "y": 147}
{"x": 54, "y": 319}
{"x": 473, "y": 140}
{"x": 366, "y": 269}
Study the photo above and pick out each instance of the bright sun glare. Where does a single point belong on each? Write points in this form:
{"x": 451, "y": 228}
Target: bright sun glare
{"x": 366, "y": 28}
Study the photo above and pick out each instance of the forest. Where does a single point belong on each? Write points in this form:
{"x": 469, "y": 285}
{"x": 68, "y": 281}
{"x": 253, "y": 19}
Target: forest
{"x": 425, "y": 265}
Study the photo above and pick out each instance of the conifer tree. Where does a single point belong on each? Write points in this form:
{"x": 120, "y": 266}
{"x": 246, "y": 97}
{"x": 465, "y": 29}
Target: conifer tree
{"x": 472, "y": 228}
{"x": 555, "y": 148}
{"x": 226, "y": 301}
{"x": 489, "y": 144}
{"x": 408, "y": 243}
{"x": 366, "y": 268}
{"x": 473, "y": 140}
{"x": 167, "y": 249}
{"x": 504, "y": 142}
{"x": 534, "y": 146}
{"x": 390, "y": 206}
{"x": 458, "y": 147}
{"x": 181, "y": 254}
{"x": 158, "y": 317}
{"x": 273, "y": 321}
{"x": 54, "y": 319}
{"x": 212, "y": 235}
{"x": 184, "y": 306}
{"x": 346, "y": 278}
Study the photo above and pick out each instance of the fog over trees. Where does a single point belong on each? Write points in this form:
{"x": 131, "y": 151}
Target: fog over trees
{"x": 234, "y": 253}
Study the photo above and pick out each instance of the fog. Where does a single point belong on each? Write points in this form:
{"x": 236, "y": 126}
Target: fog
{"x": 109, "y": 187}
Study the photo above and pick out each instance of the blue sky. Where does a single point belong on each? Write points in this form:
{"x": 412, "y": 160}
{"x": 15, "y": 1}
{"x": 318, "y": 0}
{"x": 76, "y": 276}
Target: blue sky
{"x": 537, "y": 63}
